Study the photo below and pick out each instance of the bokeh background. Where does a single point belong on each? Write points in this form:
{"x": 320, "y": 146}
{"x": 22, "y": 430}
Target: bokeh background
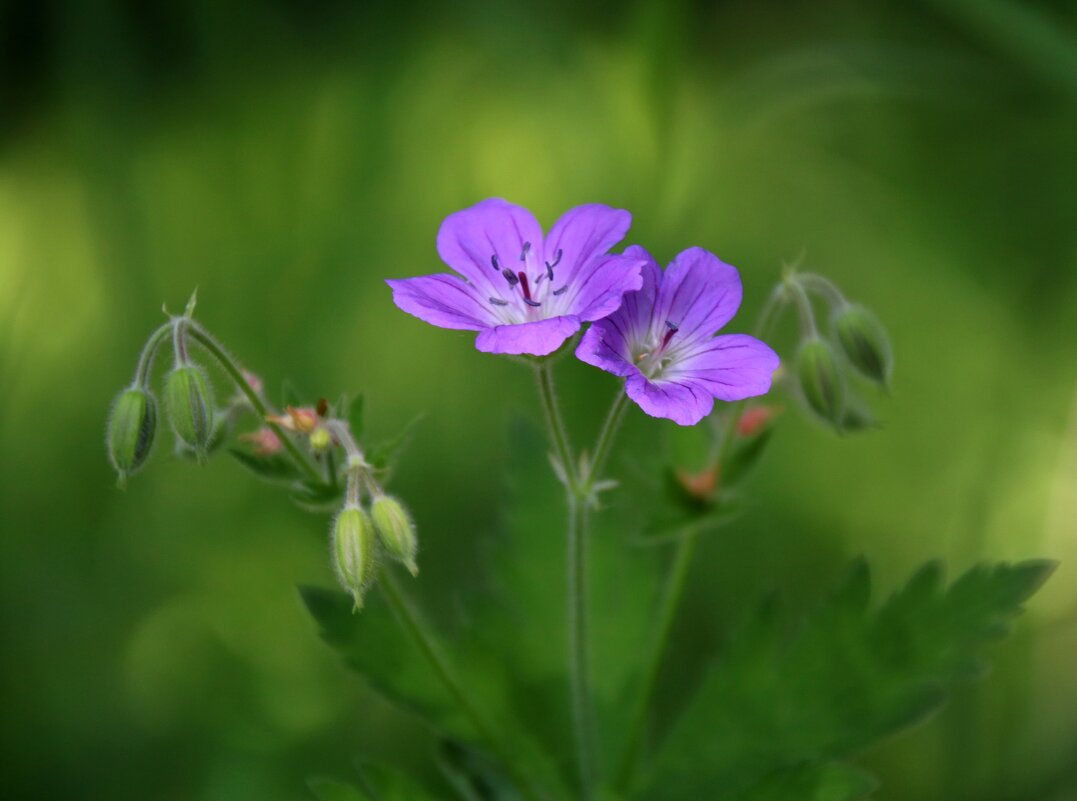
{"x": 286, "y": 157}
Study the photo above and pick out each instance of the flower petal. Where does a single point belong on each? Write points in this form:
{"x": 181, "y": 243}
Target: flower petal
{"x": 605, "y": 347}
{"x": 683, "y": 402}
{"x": 584, "y": 234}
{"x": 635, "y": 317}
{"x": 443, "y": 300}
{"x": 699, "y": 294}
{"x": 599, "y": 288}
{"x": 493, "y": 227}
{"x": 539, "y": 338}
{"x": 731, "y": 367}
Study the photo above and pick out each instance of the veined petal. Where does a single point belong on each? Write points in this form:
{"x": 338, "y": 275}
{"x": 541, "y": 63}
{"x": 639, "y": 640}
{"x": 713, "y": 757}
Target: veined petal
{"x": 582, "y": 235}
{"x": 443, "y": 300}
{"x": 494, "y": 227}
{"x": 700, "y": 293}
{"x": 683, "y": 402}
{"x": 635, "y": 317}
{"x": 604, "y": 346}
{"x": 730, "y": 367}
{"x": 539, "y": 338}
{"x": 599, "y": 288}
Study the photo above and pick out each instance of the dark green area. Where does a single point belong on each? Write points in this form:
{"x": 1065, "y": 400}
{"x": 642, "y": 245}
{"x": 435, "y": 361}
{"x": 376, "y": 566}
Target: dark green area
{"x": 286, "y": 157}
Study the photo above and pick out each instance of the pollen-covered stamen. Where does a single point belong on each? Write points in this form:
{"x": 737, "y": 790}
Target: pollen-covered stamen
{"x": 495, "y": 263}
{"x": 525, "y": 251}
{"x": 498, "y": 301}
{"x": 560, "y": 291}
{"x": 510, "y": 276}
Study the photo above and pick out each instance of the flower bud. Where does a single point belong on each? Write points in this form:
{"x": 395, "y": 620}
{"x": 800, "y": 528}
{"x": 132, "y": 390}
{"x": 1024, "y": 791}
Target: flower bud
{"x": 131, "y": 430}
{"x": 354, "y": 551}
{"x": 395, "y": 530}
{"x": 190, "y": 407}
{"x": 320, "y": 439}
{"x": 864, "y": 342}
{"x": 821, "y": 379}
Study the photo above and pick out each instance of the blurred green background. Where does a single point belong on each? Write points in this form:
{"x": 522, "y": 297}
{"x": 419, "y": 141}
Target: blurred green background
{"x": 286, "y": 157}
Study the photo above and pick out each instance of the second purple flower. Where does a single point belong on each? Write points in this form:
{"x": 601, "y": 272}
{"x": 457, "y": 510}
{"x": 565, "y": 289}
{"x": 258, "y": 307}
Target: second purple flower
{"x": 524, "y": 292}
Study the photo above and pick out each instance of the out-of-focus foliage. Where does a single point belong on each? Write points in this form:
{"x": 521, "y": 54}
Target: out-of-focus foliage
{"x": 285, "y": 158}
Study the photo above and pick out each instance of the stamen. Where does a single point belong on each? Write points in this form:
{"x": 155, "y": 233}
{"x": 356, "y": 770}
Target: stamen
{"x": 556, "y": 259}
{"x": 549, "y": 271}
{"x": 526, "y": 250}
{"x": 510, "y": 276}
{"x": 561, "y": 290}
{"x": 669, "y": 334}
{"x": 494, "y": 262}
{"x": 498, "y": 301}
{"x": 530, "y": 302}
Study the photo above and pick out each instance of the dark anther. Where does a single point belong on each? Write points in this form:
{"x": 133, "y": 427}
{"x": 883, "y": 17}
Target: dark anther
{"x": 672, "y": 326}
{"x": 561, "y": 290}
{"x": 549, "y": 271}
{"x": 494, "y": 262}
{"x": 526, "y": 250}
{"x": 556, "y": 259}
{"x": 499, "y": 302}
{"x": 669, "y": 334}
{"x": 510, "y": 276}
{"x": 530, "y": 302}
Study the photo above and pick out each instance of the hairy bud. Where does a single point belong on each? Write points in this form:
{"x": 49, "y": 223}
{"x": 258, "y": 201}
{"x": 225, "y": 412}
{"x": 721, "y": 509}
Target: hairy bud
{"x": 821, "y": 380}
{"x": 190, "y": 407}
{"x": 395, "y": 531}
{"x": 864, "y": 342}
{"x": 131, "y": 430}
{"x": 354, "y": 551}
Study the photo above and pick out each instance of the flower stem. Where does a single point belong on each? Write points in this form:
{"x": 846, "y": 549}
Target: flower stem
{"x": 555, "y": 423}
{"x": 149, "y": 353}
{"x": 424, "y": 640}
{"x": 671, "y": 599}
{"x": 229, "y": 365}
{"x": 606, "y": 436}
{"x": 579, "y": 676}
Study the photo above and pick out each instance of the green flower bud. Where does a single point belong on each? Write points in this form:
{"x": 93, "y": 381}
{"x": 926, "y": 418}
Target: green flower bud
{"x": 395, "y": 531}
{"x": 131, "y": 430}
{"x": 864, "y": 341}
{"x": 190, "y": 407}
{"x": 821, "y": 380}
{"x": 354, "y": 551}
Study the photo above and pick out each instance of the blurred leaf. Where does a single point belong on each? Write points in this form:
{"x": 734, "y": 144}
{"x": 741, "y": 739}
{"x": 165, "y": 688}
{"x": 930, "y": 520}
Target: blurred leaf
{"x": 827, "y": 782}
{"x": 317, "y": 495}
{"x": 277, "y": 467}
{"x": 352, "y": 411}
{"x": 332, "y": 790}
{"x": 472, "y": 775}
{"x": 848, "y": 677}
{"x": 382, "y": 782}
{"x": 744, "y": 457}
{"x": 290, "y": 396}
{"x": 383, "y": 454}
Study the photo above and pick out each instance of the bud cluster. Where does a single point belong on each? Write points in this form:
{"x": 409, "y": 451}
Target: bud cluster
{"x": 855, "y": 345}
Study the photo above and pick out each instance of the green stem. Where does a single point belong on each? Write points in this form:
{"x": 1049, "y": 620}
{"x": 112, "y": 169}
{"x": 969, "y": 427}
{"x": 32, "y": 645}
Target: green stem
{"x": 606, "y": 436}
{"x": 554, "y": 422}
{"x": 579, "y": 677}
{"x": 411, "y": 623}
{"x": 229, "y": 365}
{"x": 671, "y": 599}
{"x": 149, "y": 353}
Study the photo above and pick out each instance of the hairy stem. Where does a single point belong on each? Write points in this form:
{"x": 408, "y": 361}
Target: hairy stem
{"x": 554, "y": 422}
{"x": 149, "y": 354}
{"x": 578, "y": 656}
{"x": 425, "y": 642}
{"x": 671, "y": 599}
{"x": 606, "y": 436}
{"x": 229, "y": 365}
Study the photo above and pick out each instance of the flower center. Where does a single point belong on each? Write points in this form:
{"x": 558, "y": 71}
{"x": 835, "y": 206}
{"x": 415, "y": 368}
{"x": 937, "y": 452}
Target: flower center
{"x": 654, "y": 358}
{"x": 527, "y": 293}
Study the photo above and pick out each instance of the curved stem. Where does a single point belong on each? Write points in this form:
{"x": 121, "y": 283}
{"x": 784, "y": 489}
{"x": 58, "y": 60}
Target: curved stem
{"x": 229, "y": 365}
{"x": 554, "y": 422}
{"x": 149, "y": 354}
{"x": 413, "y": 625}
{"x": 671, "y": 599}
{"x": 606, "y": 436}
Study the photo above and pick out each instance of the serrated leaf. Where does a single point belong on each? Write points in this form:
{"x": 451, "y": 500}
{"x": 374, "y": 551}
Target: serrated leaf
{"x": 276, "y": 467}
{"x": 472, "y": 775}
{"x": 326, "y": 789}
{"x": 353, "y": 413}
{"x": 846, "y": 679}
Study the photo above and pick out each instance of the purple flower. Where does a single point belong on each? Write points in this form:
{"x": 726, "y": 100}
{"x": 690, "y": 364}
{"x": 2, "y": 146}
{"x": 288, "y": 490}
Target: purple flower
{"x": 662, "y": 340}
{"x": 523, "y": 292}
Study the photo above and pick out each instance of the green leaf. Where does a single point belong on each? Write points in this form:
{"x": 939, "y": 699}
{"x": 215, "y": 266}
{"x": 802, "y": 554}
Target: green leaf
{"x": 382, "y": 454}
{"x": 317, "y": 495}
{"x": 352, "y": 411}
{"x": 326, "y": 789}
{"x": 382, "y": 782}
{"x": 277, "y": 467}
{"x": 826, "y": 782}
{"x": 744, "y": 457}
{"x": 846, "y": 678}
{"x": 472, "y": 775}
